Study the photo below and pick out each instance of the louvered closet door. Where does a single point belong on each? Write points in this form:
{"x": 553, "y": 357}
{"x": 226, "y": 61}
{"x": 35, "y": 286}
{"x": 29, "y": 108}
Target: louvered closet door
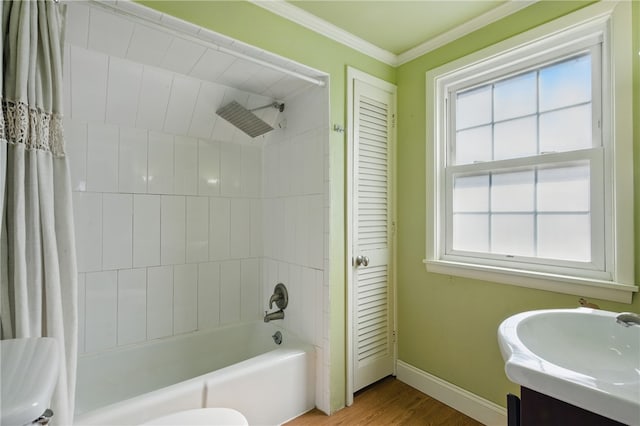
{"x": 373, "y": 317}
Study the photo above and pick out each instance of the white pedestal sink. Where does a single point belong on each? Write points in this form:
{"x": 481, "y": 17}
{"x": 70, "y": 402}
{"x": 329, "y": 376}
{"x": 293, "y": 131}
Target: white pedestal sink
{"x": 580, "y": 356}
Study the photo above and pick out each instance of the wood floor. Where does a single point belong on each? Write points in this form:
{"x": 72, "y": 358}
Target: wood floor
{"x": 389, "y": 402}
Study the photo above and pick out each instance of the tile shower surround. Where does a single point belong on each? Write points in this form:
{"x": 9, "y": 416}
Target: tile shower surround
{"x": 182, "y": 222}
{"x": 173, "y": 210}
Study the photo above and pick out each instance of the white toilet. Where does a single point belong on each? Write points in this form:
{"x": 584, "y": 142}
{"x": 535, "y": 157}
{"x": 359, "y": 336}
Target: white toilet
{"x": 201, "y": 417}
{"x": 29, "y": 373}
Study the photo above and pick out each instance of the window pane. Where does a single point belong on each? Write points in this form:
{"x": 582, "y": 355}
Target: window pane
{"x": 515, "y": 138}
{"x": 471, "y": 194}
{"x": 564, "y": 189}
{"x": 566, "y": 83}
{"x": 565, "y": 237}
{"x": 515, "y": 97}
{"x": 566, "y": 129}
{"x": 517, "y": 206}
{"x": 473, "y": 145}
{"x": 513, "y": 192}
{"x": 512, "y": 234}
{"x": 471, "y": 232}
{"x": 473, "y": 108}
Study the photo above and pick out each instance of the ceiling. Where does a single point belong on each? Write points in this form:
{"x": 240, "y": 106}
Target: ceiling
{"x": 397, "y": 25}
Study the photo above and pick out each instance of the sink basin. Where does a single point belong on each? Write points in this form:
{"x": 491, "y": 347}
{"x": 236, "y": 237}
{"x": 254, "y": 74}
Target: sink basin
{"x": 579, "y": 356}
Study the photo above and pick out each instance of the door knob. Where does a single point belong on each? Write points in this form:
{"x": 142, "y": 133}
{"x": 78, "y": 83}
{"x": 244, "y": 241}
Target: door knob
{"x": 362, "y": 260}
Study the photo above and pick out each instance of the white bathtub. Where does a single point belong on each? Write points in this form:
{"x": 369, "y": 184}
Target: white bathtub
{"x": 237, "y": 367}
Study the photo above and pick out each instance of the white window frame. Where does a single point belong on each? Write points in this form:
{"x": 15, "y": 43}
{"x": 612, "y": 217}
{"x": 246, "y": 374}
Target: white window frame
{"x": 606, "y": 21}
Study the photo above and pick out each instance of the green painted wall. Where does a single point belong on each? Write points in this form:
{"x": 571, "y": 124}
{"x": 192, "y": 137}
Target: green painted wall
{"x": 253, "y": 25}
{"x": 447, "y": 325}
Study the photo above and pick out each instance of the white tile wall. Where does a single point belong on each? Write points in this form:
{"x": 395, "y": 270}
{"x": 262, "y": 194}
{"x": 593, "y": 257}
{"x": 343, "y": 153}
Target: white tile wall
{"x": 251, "y": 169}
{"x": 183, "y": 222}
{"x": 256, "y": 228}
{"x": 231, "y": 169}
{"x": 101, "y": 292}
{"x": 77, "y": 25}
{"x": 182, "y": 56}
{"x": 89, "y": 88}
{"x": 160, "y": 163}
{"x": 148, "y": 45}
{"x": 132, "y": 160}
{"x": 123, "y": 91}
{"x": 289, "y": 229}
{"x": 146, "y": 230}
{"x": 298, "y": 167}
{"x": 185, "y": 298}
{"x": 250, "y": 290}
{"x": 159, "y": 302}
{"x": 237, "y": 74}
{"x": 284, "y": 175}
{"x": 108, "y": 33}
{"x": 208, "y": 295}
{"x": 208, "y": 168}
{"x": 295, "y": 225}
{"x": 186, "y": 165}
{"x": 184, "y": 93}
{"x": 87, "y": 213}
{"x": 240, "y": 232}
{"x": 315, "y": 236}
{"x": 76, "y": 149}
{"x": 197, "y": 245}
{"x": 117, "y": 231}
{"x": 102, "y": 155}
{"x": 219, "y": 235}
{"x": 296, "y": 310}
{"x": 132, "y": 306}
{"x": 154, "y": 98}
{"x": 172, "y": 230}
{"x": 302, "y": 230}
{"x": 212, "y": 64}
{"x": 270, "y": 167}
{"x": 230, "y": 288}
{"x": 209, "y": 99}
{"x": 307, "y": 288}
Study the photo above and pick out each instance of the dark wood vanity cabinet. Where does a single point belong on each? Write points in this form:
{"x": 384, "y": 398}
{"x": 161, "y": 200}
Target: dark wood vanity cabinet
{"x": 536, "y": 409}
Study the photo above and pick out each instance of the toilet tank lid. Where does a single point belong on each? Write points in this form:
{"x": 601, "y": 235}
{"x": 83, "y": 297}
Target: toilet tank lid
{"x": 29, "y": 373}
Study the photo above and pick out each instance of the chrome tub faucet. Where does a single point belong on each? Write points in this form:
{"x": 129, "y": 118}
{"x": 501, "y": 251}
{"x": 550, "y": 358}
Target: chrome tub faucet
{"x": 280, "y": 297}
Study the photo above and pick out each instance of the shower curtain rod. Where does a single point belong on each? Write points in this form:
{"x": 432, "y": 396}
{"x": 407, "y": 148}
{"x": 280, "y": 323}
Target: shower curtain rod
{"x": 130, "y": 9}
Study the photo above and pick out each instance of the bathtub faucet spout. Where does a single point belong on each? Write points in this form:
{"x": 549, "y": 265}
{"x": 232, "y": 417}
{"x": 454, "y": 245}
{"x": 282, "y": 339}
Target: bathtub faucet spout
{"x": 281, "y": 299}
{"x": 273, "y": 315}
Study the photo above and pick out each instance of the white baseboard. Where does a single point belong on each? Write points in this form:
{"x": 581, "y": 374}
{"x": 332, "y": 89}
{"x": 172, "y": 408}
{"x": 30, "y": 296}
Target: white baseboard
{"x": 472, "y": 405}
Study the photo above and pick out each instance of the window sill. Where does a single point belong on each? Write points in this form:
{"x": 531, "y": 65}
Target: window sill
{"x": 604, "y": 290}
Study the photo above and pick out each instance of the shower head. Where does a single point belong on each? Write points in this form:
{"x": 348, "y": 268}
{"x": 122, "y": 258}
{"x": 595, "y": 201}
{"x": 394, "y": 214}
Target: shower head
{"x": 245, "y": 120}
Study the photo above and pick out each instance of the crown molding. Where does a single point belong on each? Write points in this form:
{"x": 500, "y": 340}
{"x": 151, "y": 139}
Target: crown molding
{"x": 312, "y": 22}
{"x": 502, "y": 11}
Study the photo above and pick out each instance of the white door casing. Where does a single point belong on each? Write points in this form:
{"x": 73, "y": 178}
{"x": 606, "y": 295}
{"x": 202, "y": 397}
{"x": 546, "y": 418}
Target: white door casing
{"x": 371, "y": 347}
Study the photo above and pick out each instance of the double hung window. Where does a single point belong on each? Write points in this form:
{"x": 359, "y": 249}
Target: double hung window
{"x": 526, "y": 146}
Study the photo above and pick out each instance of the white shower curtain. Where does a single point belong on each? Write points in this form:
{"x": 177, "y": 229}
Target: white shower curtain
{"x": 38, "y": 293}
